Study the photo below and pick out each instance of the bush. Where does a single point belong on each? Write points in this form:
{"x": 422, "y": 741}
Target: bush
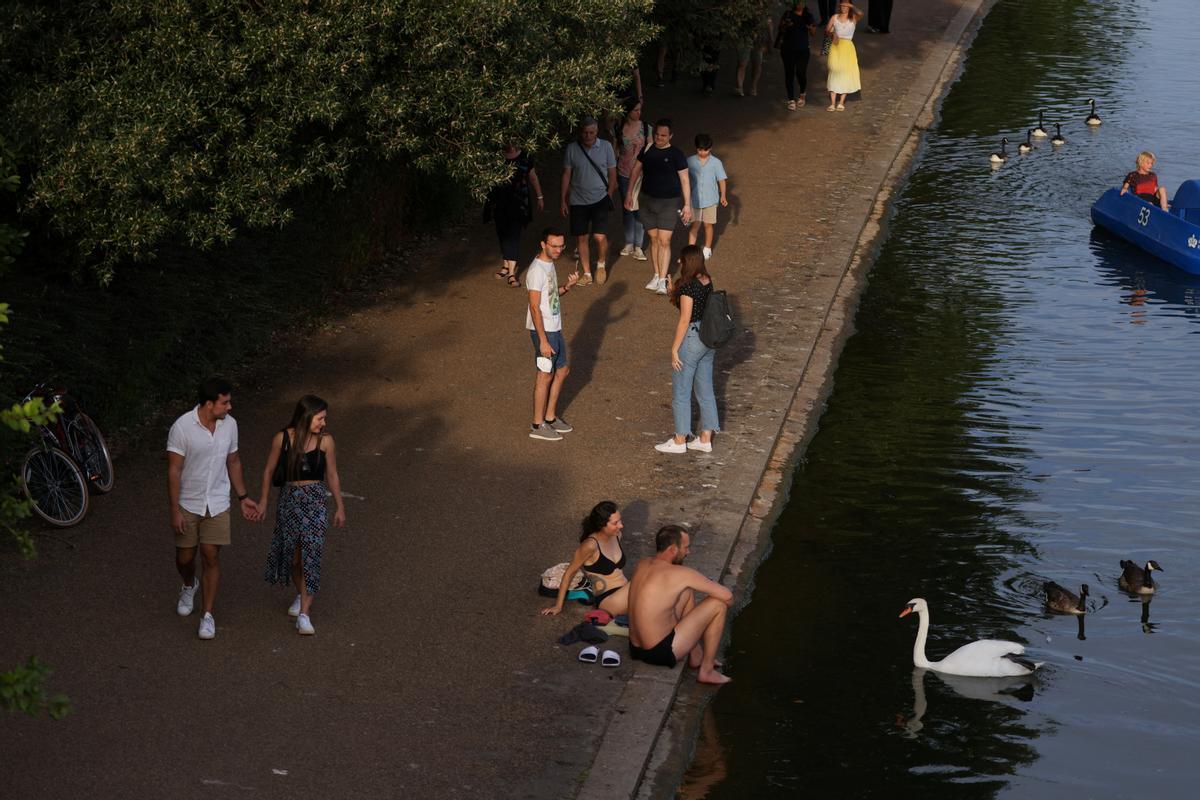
{"x": 144, "y": 120}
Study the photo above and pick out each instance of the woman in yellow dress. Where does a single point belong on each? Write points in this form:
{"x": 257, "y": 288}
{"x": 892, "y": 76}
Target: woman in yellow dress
{"x": 843, "y": 58}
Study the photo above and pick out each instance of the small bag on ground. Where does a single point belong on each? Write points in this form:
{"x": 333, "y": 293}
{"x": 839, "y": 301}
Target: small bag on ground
{"x": 552, "y": 579}
{"x": 717, "y": 326}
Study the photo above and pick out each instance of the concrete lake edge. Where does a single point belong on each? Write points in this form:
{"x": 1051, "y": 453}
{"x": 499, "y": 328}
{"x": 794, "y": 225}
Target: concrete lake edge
{"x": 660, "y": 736}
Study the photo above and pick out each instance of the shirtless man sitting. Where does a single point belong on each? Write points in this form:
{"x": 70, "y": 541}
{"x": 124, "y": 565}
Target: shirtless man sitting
{"x": 665, "y": 622}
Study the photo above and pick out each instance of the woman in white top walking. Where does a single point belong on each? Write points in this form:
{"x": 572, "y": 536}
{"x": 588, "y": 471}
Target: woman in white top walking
{"x": 843, "y": 58}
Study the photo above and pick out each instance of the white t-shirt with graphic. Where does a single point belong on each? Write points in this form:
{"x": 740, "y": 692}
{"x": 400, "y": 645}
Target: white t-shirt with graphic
{"x": 540, "y": 277}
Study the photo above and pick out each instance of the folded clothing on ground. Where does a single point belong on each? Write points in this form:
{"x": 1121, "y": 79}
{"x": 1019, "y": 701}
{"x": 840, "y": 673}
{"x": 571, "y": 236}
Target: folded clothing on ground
{"x": 583, "y": 632}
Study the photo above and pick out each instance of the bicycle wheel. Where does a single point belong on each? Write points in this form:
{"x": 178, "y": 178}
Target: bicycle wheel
{"x": 55, "y": 485}
{"x": 91, "y": 452}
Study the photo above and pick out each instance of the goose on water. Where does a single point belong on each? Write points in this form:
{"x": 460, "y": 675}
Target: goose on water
{"x": 1093, "y": 118}
{"x": 1064, "y": 600}
{"x": 1057, "y": 138}
{"x": 1138, "y": 580}
{"x": 1027, "y": 145}
{"x": 986, "y": 658}
{"x": 1002, "y": 154}
{"x": 1040, "y": 131}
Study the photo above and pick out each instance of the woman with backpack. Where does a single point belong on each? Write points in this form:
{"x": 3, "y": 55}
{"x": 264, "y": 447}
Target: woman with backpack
{"x": 511, "y": 204}
{"x": 691, "y": 359}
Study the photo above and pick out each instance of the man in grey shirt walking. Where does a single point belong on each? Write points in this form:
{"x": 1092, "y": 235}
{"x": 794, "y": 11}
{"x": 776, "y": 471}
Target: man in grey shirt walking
{"x": 588, "y": 183}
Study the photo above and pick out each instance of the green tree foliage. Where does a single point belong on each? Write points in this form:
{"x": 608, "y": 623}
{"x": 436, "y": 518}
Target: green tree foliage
{"x": 21, "y": 689}
{"x": 141, "y": 121}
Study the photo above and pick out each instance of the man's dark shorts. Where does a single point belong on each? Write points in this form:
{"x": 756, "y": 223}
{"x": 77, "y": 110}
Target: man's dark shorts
{"x": 590, "y": 219}
{"x": 659, "y": 213}
{"x": 557, "y": 343}
{"x": 661, "y": 655}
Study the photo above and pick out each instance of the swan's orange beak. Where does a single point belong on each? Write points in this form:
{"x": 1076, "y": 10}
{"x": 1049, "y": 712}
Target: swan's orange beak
{"x": 907, "y": 610}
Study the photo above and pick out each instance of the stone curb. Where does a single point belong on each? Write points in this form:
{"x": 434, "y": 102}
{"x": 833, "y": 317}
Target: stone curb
{"x": 648, "y": 742}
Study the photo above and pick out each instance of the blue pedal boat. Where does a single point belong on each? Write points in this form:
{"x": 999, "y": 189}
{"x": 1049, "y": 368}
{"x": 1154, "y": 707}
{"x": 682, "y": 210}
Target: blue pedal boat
{"x": 1173, "y": 236}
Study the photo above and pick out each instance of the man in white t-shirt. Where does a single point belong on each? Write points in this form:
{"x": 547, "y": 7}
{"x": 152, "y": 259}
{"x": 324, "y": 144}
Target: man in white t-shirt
{"x": 202, "y": 462}
{"x": 543, "y": 320}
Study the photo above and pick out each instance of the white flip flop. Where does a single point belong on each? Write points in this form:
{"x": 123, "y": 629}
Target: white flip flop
{"x": 589, "y": 654}
{"x": 610, "y": 659}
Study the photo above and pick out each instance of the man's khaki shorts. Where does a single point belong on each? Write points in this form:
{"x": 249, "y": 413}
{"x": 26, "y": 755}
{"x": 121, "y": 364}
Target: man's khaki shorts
{"x": 203, "y": 529}
{"x": 707, "y": 214}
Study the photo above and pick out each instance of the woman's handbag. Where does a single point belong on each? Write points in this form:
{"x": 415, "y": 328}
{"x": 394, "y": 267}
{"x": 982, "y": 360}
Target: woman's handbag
{"x": 828, "y": 43}
{"x": 279, "y": 476}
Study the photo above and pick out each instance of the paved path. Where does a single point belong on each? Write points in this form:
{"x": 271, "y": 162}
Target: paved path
{"x": 431, "y": 674}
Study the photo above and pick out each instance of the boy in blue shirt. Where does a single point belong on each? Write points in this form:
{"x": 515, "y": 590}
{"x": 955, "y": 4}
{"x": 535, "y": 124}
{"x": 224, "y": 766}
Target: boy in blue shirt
{"x": 707, "y": 176}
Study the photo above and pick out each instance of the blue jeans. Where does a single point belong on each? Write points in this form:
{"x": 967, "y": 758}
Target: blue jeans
{"x": 634, "y": 232}
{"x": 696, "y": 375}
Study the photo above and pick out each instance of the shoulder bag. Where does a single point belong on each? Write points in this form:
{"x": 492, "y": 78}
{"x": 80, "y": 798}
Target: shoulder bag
{"x": 599, "y": 172}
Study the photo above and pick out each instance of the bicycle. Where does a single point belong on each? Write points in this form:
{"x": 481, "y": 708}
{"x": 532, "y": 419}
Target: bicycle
{"x": 70, "y": 460}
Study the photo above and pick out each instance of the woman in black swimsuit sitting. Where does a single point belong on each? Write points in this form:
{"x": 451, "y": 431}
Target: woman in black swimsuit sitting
{"x": 600, "y": 556}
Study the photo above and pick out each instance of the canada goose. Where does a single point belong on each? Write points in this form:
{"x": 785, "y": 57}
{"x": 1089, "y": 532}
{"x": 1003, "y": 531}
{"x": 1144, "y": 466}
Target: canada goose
{"x": 1137, "y": 580}
{"x": 1057, "y": 138}
{"x": 1002, "y": 154}
{"x": 1027, "y": 145}
{"x": 1040, "y": 132}
{"x": 986, "y": 658}
{"x": 1093, "y": 118}
{"x": 1064, "y": 600}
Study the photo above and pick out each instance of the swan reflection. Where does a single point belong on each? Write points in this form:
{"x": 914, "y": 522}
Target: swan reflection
{"x": 1007, "y": 690}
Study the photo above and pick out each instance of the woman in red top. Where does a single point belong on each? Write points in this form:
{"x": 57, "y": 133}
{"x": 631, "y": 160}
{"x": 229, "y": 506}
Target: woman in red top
{"x": 1144, "y": 183}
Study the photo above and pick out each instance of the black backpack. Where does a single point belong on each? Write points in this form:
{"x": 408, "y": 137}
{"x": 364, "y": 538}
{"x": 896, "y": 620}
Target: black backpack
{"x": 717, "y": 326}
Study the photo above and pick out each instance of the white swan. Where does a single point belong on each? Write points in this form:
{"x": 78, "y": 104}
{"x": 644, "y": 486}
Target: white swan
{"x": 986, "y": 658}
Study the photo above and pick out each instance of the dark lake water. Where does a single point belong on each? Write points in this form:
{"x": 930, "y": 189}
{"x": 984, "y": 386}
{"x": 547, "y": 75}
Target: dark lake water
{"x": 1021, "y": 404}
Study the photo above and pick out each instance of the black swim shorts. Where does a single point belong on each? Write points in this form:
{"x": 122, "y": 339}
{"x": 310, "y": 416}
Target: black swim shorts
{"x": 661, "y": 655}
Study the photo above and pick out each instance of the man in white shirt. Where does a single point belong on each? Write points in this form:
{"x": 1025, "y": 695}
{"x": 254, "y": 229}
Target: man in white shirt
{"x": 543, "y": 320}
{"x": 202, "y": 462}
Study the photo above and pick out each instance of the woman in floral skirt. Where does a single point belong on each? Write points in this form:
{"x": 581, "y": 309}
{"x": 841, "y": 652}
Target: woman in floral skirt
{"x": 302, "y": 462}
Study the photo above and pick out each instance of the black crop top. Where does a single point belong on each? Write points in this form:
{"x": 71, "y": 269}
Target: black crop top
{"x": 311, "y": 466}
{"x": 699, "y": 294}
{"x": 603, "y": 565}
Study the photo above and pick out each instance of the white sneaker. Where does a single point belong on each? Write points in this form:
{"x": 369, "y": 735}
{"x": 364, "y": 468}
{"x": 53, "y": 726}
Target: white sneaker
{"x": 663, "y": 286}
{"x": 208, "y": 627}
{"x": 699, "y": 446}
{"x": 627, "y": 250}
{"x": 707, "y": 253}
{"x": 304, "y": 625}
{"x": 187, "y": 598}
{"x": 638, "y": 255}
{"x": 294, "y": 608}
{"x": 671, "y": 446}
{"x": 653, "y": 284}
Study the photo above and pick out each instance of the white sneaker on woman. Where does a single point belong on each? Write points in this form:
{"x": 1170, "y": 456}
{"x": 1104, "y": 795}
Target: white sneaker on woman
{"x": 671, "y": 446}
{"x": 304, "y": 625}
{"x": 627, "y": 250}
{"x": 653, "y": 284}
{"x": 294, "y": 608}
{"x": 699, "y": 446}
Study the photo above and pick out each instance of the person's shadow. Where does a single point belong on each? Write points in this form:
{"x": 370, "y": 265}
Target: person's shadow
{"x": 585, "y": 345}
{"x": 739, "y": 350}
